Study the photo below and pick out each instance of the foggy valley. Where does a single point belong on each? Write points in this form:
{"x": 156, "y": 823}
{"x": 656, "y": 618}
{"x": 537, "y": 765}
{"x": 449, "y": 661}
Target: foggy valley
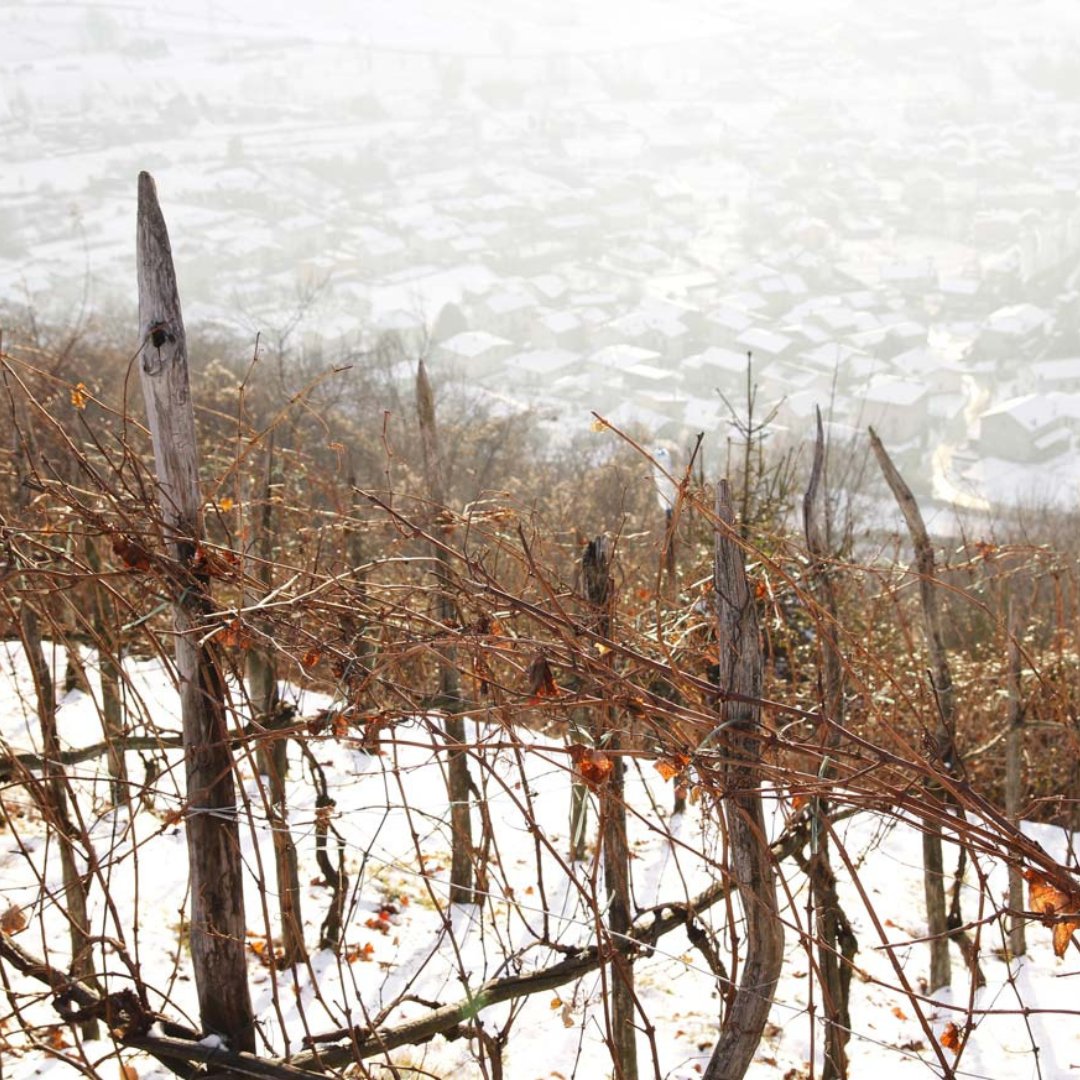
{"x": 579, "y": 209}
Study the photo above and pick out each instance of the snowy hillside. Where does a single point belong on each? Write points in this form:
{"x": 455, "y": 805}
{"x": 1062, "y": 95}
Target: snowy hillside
{"x": 405, "y": 952}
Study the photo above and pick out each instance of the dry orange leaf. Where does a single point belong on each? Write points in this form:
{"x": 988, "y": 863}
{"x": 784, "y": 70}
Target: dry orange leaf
{"x": 360, "y": 952}
{"x": 593, "y": 766}
{"x": 1049, "y": 901}
{"x": 79, "y": 396}
{"x": 311, "y": 658}
{"x": 13, "y": 920}
{"x": 950, "y": 1037}
{"x": 898, "y": 1013}
{"x": 673, "y": 766}
{"x": 666, "y": 769}
{"x": 233, "y": 635}
{"x": 541, "y": 681}
{"x": 133, "y": 555}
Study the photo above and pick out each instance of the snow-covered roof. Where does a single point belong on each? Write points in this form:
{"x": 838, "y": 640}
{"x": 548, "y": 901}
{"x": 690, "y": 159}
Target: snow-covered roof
{"x": 636, "y": 323}
{"x": 470, "y": 343}
{"x": 622, "y": 356}
{"x": 717, "y": 358}
{"x": 1058, "y": 369}
{"x": 1017, "y": 320}
{"x": 1035, "y": 411}
{"x": 758, "y": 339}
{"x": 559, "y": 322}
{"x": 542, "y": 361}
{"x": 651, "y": 373}
{"x": 506, "y": 302}
{"x": 895, "y": 392}
{"x": 550, "y": 286}
{"x": 703, "y": 413}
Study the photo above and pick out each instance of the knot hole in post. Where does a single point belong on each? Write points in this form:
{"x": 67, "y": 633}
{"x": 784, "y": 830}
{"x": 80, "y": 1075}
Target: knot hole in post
{"x": 159, "y": 334}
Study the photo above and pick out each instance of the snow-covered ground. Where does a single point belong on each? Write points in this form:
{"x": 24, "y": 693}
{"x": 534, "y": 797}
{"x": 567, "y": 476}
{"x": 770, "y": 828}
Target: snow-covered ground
{"x": 400, "y": 937}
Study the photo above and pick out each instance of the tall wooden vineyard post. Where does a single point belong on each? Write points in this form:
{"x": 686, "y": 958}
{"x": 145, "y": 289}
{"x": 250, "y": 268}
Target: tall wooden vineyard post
{"x": 740, "y": 681}
{"x": 459, "y": 783}
{"x": 836, "y": 941}
{"x": 933, "y": 857}
{"x": 218, "y": 927}
{"x": 600, "y": 591}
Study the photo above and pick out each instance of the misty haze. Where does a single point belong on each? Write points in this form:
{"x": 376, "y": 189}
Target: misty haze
{"x": 575, "y": 208}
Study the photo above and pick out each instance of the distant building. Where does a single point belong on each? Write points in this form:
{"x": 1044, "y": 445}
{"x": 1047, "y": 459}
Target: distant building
{"x": 766, "y": 345}
{"x": 714, "y": 369}
{"x": 474, "y": 353}
{"x": 1061, "y": 374}
{"x": 1015, "y": 328}
{"x": 1029, "y": 428}
{"x": 537, "y": 369}
{"x": 897, "y": 409}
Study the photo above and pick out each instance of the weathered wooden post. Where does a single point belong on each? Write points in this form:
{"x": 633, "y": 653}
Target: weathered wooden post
{"x": 462, "y": 890}
{"x": 1014, "y": 764}
{"x": 933, "y": 859}
{"x": 836, "y": 944}
{"x": 740, "y": 680}
{"x": 218, "y": 948}
{"x": 600, "y": 590}
{"x": 272, "y": 750}
{"x": 667, "y": 495}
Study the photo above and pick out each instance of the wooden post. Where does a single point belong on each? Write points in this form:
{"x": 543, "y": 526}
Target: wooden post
{"x": 933, "y": 860}
{"x": 667, "y": 495}
{"x": 459, "y": 782}
{"x": 599, "y": 588}
{"x": 740, "y": 676}
{"x": 580, "y": 728}
{"x": 218, "y": 927}
{"x": 836, "y": 942}
{"x": 272, "y": 751}
{"x": 1014, "y": 751}
{"x": 111, "y": 673}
